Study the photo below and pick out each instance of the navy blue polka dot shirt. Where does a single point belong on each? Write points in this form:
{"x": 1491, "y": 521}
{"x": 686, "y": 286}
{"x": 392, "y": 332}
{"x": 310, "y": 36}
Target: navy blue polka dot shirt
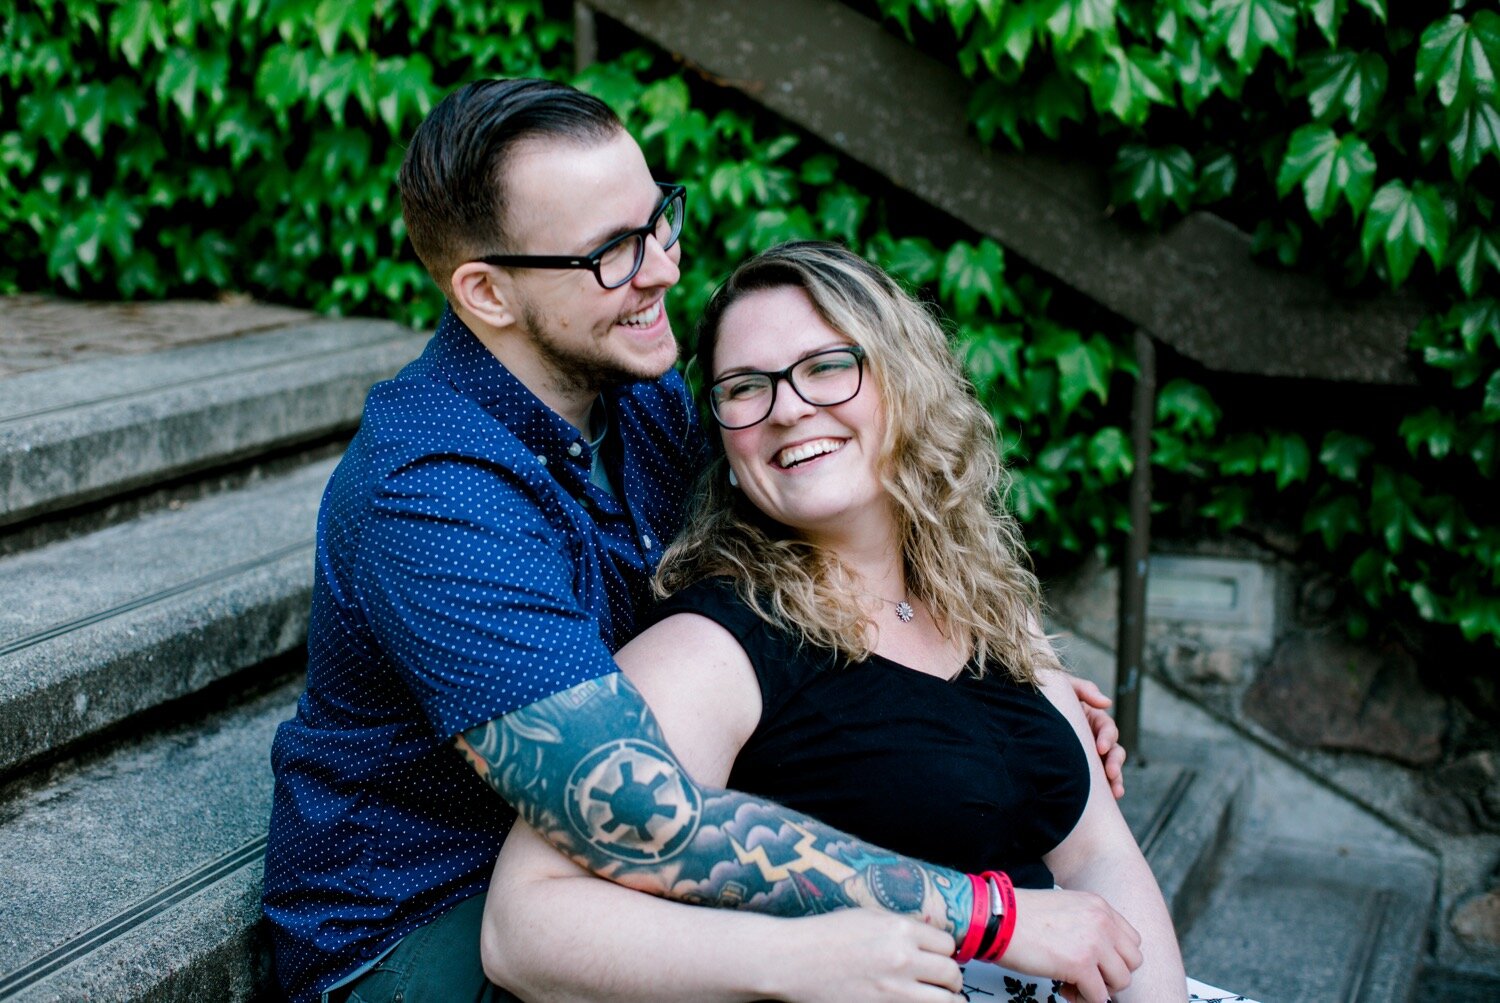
{"x": 467, "y": 565}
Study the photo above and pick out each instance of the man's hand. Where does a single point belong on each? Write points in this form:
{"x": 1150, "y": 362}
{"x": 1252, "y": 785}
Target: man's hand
{"x": 1106, "y": 734}
{"x": 1074, "y": 937}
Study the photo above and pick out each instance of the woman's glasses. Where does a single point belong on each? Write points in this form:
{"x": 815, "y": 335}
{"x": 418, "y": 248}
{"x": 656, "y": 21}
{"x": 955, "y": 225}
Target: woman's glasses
{"x": 822, "y": 379}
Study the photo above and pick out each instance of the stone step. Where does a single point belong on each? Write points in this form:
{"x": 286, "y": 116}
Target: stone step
{"x": 1294, "y": 921}
{"x": 100, "y": 627}
{"x": 1181, "y": 805}
{"x": 136, "y": 876}
{"x": 89, "y": 430}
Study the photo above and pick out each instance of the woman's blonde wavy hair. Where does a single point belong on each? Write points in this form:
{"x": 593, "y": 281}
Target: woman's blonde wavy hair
{"x": 963, "y": 551}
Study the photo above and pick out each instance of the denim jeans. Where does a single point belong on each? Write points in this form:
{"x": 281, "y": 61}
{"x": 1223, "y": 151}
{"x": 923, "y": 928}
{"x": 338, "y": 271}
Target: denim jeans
{"x": 437, "y": 964}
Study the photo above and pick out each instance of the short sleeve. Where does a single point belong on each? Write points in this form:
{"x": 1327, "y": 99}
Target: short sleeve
{"x": 782, "y": 662}
{"x": 471, "y": 592}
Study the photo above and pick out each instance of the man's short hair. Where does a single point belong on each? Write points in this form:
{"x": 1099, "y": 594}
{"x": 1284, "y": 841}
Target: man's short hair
{"x": 453, "y": 178}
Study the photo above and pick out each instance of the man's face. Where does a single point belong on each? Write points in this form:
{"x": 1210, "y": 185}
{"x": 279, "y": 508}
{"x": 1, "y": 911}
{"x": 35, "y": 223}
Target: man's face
{"x": 567, "y": 199}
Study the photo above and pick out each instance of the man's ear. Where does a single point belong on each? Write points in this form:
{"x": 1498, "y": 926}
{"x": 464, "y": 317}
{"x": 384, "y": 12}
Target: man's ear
{"x": 485, "y": 293}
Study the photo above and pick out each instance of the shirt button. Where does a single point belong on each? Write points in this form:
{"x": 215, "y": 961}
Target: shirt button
{"x": 575, "y": 449}
{"x": 645, "y": 541}
{"x": 541, "y": 459}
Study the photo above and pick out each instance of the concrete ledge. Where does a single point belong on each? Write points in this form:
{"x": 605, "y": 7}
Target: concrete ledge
{"x": 138, "y": 876}
{"x": 98, "y": 628}
{"x": 75, "y": 433}
{"x": 1181, "y": 806}
{"x": 872, "y": 96}
{"x": 1301, "y": 922}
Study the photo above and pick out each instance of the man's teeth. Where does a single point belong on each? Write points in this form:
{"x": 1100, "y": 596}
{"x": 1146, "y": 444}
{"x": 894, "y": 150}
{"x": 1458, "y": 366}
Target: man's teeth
{"x": 793, "y": 455}
{"x": 645, "y": 318}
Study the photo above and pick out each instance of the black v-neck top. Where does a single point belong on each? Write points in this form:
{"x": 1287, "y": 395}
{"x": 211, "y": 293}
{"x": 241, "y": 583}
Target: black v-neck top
{"x": 971, "y": 773}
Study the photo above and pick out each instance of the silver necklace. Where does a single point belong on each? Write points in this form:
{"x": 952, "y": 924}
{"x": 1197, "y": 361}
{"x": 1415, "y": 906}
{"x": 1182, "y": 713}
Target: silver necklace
{"x": 904, "y": 612}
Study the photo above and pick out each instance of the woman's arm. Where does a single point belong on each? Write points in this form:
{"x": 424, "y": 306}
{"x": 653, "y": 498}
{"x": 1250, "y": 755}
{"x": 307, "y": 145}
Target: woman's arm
{"x": 552, "y": 932}
{"x": 1100, "y": 856}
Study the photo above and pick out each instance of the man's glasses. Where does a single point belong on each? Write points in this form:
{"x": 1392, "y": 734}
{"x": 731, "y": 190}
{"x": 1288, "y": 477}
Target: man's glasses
{"x": 615, "y": 262}
{"x": 822, "y": 379}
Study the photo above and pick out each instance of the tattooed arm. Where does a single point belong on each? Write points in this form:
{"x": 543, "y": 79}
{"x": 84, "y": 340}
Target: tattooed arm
{"x": 643, "y": 949}
{"x": 589, "y": 770}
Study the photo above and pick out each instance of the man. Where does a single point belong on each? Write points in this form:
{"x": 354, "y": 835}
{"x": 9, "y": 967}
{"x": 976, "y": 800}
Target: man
{"x": 483, "y": 548}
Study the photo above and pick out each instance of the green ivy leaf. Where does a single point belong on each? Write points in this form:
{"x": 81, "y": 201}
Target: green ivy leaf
{"x": 991, "y": 353}
{"x": 971, "y": 272}
{"x": 136, "y": 25}
{"x": 1084, "y": 367}
{"x": 912, "y": 259}
{"x": 1245, "y": 28}
{"x": 1110, "y": 455}
{"x": 337, "y": 19}
{"x": 992, "y": 10}
{"x": 1474, "y": 321}
{"x": 1344, "y": 83}
{"x": 1406, "y": 222}
{"x": 1479, "y": 618}
{"x": 1151, "y": 178}
{"x": 1393, "y": 514}
{"x": 1475, "y": 251}
{"x": 1057, "y": 99}
{"x": 1474, "y": 133}
{"x": 1073, "y": 20}
{"x": 185, "y": 75}
{"x": 1017, "y": 30}
{"x": 995, "y": 109}
{"x": 1328, "y": 168}
{"x": 1128, "y": 83}
{"x": 1372, "y": 573}
{"x": 1199, "y": 76}
{"x": 1427, "y": 602}
{"x": 1240, "y": 455}
{"x": 840, "y": 213}
{"x": 1334, "y": 517}
{"x": 1287, "y": 457}
{"x": 1229, "y": 506}
{"x": 1343, "y": 455}
{"x": 819, "y": 169}
{"x": 1376, "y": 7}
{"x": 1186, "y": 407}
{"x": 1458, "y": 56}
{"x": 1430, "y": 428}
{"x": 1327, "y": 14}
{"x": 1216, "y": 179}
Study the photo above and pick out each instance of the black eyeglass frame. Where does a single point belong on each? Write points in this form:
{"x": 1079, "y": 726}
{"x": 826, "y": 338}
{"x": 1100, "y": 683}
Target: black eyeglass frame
{"x": 591, "y": 260}
{"x": 776, "y": 379}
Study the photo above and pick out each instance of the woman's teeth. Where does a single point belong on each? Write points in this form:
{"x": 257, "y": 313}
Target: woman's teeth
{"x": 793, "y": 455}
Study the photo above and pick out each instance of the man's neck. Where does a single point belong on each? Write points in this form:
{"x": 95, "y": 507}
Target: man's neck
{"x": 572, "y": 403}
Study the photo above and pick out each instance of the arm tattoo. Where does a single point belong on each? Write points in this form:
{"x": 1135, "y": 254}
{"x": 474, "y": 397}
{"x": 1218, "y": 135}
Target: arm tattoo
{"x": 589, "y": 769}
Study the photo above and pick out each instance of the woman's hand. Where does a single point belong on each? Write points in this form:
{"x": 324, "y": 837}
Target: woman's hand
{"x": 862, "y": 954}
{"x": 1075, "y": 937}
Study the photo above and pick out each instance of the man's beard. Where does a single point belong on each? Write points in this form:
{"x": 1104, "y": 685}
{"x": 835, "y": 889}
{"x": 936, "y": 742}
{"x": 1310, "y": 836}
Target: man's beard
{"x": 581, "y": 370}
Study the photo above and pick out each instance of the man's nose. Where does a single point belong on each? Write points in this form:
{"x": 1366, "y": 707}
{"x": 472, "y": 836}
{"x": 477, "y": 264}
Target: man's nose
{"x": 659, "y": 266}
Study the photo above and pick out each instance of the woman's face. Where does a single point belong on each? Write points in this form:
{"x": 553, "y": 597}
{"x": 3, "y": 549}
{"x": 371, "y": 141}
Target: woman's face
{"x": 813, "y": 469}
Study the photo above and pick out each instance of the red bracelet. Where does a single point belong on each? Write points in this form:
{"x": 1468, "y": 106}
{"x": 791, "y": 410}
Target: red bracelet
{"x": 1008, "y": 920}
{"x": 981, "y": 889}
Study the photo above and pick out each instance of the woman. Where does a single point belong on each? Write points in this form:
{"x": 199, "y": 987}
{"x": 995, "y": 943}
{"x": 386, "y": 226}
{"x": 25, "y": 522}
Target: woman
{"x": 853, "y": 632}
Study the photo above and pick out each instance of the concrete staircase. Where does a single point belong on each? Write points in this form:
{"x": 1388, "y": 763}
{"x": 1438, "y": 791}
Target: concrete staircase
{"x": 157, "y": 515}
